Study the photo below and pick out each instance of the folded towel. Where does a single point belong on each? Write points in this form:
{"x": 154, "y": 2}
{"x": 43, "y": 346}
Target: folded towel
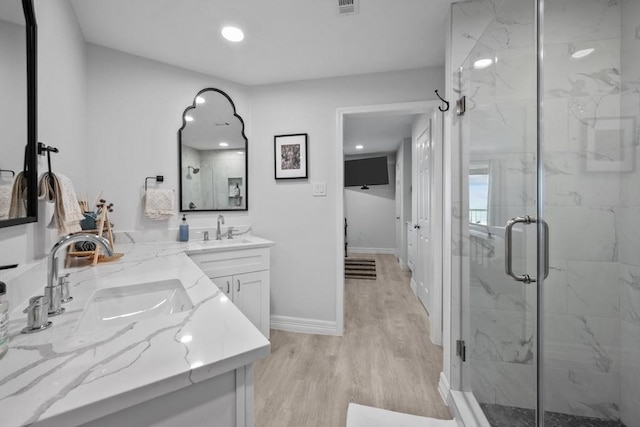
{"x": 18, "y": 207}
{"x": 58, "y": 189}
{"x": 159, "y": 204}
{"x": 5, "y": 200}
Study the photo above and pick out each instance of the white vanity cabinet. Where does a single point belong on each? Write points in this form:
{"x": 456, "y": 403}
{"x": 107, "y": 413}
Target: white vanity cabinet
{"x": 243, "y": 274}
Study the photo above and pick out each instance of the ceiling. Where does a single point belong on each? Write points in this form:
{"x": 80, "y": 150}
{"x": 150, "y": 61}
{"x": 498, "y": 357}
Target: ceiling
{"x": 377, "y": 133}
{"x": 285, "y": 40}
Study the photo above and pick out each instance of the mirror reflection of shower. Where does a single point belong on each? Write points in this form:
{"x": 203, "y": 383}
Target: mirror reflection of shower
{"x": 195, "y": 171}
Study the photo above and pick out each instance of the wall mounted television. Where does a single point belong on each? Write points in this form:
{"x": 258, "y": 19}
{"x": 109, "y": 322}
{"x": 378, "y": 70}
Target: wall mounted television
{"x": 364, "y": 172}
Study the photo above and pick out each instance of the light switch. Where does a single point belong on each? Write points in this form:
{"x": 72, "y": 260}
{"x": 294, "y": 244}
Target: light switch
{"x": 319, "y": 189}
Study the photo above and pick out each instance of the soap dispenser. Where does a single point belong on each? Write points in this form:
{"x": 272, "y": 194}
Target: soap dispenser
{"x": 184, "y": 230}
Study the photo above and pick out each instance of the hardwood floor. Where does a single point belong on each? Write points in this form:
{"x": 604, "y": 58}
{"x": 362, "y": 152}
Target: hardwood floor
{"x": 385, "y": 359}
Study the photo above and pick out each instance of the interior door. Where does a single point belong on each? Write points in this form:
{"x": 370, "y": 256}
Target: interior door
{"x": 423, "y": 227}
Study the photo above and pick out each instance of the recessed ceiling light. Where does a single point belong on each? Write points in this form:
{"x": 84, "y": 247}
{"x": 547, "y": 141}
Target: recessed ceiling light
{"x": 224, "y": 144}
{"x": 582, "y": 53}
{"x": 483, "y": 63}
{"x": 233, "y": 34}
{"x": 199, "y": 100}
{"x": 188, "y": 118}
{"x": 359, "y": 147}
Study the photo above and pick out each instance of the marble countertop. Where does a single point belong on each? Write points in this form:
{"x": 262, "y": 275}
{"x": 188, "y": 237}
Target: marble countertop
{"x": 59, "y": 377}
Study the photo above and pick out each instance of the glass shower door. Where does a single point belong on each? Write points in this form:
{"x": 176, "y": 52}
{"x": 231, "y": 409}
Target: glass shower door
{"x": 497, "y": 140}
{"x": 592, "y": 204}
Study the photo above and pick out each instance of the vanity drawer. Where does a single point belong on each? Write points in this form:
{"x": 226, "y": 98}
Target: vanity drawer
{"x": 216, "y": 264}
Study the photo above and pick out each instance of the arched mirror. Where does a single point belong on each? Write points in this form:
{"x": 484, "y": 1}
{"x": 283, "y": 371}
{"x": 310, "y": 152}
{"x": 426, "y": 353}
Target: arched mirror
{"x": 213, "y": 155}
{"x": 18, "y": 80}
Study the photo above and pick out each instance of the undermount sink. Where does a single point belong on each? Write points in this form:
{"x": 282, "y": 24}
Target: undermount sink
{"x": 119, "y": 306}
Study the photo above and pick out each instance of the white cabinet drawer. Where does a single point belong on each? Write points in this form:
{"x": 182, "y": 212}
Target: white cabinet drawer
{"x": 227, "y": 263}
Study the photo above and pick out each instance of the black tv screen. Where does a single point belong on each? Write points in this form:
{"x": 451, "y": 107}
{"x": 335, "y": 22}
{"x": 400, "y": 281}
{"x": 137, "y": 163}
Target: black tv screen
{"x": 363, "y": 172}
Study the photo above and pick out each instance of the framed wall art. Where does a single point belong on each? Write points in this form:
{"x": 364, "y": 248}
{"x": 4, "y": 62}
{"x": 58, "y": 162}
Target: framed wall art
{"x": 290, "y": 154}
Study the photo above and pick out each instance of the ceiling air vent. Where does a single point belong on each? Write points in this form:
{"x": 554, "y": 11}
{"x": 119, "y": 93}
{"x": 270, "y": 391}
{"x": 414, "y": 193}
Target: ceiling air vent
{"x": 348, "y": 7}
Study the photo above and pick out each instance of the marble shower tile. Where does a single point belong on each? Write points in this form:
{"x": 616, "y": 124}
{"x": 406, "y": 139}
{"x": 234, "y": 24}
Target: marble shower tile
{"x": 587, "y": 393}
{"x": 593, "y": 289}
{"x": 570, "y": 21}
{"x": 628, "y": 235}
{"x": 568, "y": 184}
{"x": 630, "y": 294}
{"x": 504, "y": 383}
{"x": 556, "y": 289}
{"x": 595, "y": 340}
{"x": 630, "y": 380}
{"x": 582, "y": 233}
{"x": 502, "y": 336}
{"x": 594, "y": 75}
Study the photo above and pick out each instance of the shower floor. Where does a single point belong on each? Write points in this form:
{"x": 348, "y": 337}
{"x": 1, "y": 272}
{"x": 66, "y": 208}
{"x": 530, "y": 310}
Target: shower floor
{"x": 507, "y": 416}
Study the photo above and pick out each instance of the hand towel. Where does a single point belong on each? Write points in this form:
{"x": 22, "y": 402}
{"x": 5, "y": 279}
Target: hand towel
{"x": 66, "y": 212}
{"x": 159, "y": 204}
{"x": 5, "y": 200}
{"x": 18, "y": 207}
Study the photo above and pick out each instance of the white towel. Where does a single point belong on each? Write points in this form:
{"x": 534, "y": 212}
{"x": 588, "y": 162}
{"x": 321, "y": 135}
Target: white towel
{"x": 18, "y": 207}
{"x": 66, "y": 213}
{"x": 159, "y": 204}
{"x": 5, "y": 200}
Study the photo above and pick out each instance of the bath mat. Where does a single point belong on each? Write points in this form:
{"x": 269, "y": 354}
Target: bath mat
{"x": 367, "y": 416}
{"x": 360, "y": 268}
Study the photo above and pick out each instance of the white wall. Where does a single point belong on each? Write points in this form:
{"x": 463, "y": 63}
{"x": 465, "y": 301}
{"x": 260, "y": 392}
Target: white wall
{"x": 134, "y": 110}
{"x": 61, "y": 117}
{"x": 371, "y": 215}
{"x": 129, "y": 131}
{"x": 304, "y": 261}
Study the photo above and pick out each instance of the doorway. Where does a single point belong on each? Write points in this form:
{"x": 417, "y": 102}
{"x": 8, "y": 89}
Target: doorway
{"x": 344, "y": 114}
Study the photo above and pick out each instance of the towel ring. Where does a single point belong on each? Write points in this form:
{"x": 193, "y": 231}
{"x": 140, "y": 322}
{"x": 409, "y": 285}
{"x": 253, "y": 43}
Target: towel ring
{"x": 157, "y": 178}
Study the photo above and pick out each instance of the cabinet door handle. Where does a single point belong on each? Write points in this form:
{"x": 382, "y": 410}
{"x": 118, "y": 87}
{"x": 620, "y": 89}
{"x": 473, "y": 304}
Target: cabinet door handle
{"x": 228, "y": 287}
{"x": 238, "y": 285}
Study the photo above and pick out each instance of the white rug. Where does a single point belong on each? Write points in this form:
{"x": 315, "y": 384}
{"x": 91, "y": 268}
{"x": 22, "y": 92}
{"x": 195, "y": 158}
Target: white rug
{"x": 366, "y": 416}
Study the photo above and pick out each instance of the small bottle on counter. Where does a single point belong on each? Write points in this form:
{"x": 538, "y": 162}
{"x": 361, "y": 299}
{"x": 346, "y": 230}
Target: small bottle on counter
{"x": 4, "y": 320}
{"x": 184, "y": 230}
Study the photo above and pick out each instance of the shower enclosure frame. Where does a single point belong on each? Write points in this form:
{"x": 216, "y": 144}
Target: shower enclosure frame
{"x": 547, "y": 367}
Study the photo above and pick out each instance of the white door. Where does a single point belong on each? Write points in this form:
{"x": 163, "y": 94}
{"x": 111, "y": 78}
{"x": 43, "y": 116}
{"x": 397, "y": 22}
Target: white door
{"x": 399, "y": 228}
{"x": 423, "y": 237}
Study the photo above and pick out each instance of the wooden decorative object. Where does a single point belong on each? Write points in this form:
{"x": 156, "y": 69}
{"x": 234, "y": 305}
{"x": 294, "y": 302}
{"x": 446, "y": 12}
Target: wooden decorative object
{"x": 103, "y": 225}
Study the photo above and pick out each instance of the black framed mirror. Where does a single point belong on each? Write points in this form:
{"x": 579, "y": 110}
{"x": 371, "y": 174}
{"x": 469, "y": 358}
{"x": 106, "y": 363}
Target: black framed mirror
{"x": 213, "y": 155}
{"x": 18, "y": 113}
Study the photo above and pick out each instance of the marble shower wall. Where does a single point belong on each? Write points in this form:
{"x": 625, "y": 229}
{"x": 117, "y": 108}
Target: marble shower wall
{"x": 628, "y": 225}
{"x": 582, "y": 182}
{"x": 592, "y": 202}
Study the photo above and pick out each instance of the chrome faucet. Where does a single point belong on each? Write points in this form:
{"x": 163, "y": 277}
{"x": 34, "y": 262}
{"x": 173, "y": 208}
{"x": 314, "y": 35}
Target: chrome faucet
{"x": 218, "y": 232}
{"x": 53, "y": 290}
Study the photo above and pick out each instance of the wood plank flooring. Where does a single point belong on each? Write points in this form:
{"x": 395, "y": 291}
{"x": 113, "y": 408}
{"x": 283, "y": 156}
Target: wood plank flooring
{"x": 385, "y": 359}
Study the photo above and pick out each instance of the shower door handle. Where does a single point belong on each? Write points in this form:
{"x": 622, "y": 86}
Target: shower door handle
{"x": 508, "y": 265}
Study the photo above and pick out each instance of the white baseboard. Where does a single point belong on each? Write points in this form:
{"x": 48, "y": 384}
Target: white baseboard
{"x": 354, "y": 250}
{"x": 414, "y": 286}
{"x": 302, "y": 325}
{"x": 467, "y": 410}
{"x": 403, "y": 265}
{"x": 444, "y": 388}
